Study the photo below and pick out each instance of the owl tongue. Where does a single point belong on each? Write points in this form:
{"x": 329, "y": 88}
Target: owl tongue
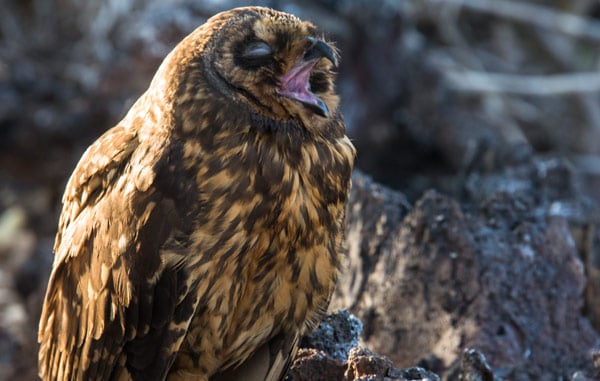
{"x": 295, "y": 85}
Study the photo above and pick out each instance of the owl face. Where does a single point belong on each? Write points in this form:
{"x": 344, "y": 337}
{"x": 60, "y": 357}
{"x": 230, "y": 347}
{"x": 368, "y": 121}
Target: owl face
{"x": 277, "y": 63}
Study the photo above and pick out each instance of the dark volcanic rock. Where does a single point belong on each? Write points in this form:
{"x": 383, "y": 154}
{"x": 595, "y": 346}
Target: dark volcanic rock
{"x": 312, "y": 364}
{"x": 501, "y": 274}
{"x": 472, "y": 367}
{"x": 361, "y": 365}
{"x": 336, "y": 335}
{"x": 364, "y": 365}
{"x": 373, "y": 214}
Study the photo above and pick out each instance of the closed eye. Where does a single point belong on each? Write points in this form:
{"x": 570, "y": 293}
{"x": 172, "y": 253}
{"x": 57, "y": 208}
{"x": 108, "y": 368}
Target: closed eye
{"x": 257, "y": 49}
{"x": 254, "y": 54}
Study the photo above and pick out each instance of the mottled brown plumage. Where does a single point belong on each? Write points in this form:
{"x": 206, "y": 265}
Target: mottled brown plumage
{"x": 202, "y": 235}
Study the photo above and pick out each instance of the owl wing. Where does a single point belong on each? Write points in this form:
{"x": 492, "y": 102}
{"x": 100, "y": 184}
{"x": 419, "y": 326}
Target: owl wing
{"x": 117, "y": 298}
{"x": 270, "y": 362}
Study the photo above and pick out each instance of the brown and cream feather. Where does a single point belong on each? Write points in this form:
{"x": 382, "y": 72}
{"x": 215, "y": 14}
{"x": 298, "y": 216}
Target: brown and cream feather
{"x": 202, "y": 235}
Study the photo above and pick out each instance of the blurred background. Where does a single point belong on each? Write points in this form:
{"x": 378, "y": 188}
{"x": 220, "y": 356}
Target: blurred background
{"x": 432, "y": 90}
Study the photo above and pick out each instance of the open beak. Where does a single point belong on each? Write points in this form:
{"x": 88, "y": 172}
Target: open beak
{"x": 320, "y": 49}
{"x": 295, "y": 84}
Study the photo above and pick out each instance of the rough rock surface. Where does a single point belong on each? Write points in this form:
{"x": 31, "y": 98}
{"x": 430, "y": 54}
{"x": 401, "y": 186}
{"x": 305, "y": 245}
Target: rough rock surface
{"x": 500, "y": 273}
{"x": 332, "y": 352}
{"x": 335, "y": 335}
{"x": 324, "y": 356}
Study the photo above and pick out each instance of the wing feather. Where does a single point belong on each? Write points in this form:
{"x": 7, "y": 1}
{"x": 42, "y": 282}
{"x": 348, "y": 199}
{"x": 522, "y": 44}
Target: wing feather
{"x": 109, "y": 290}
{"x": 270, "y": 362}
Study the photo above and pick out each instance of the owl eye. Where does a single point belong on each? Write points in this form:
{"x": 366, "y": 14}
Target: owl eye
{"x": 257, "y": 49}
{"x": 252, "y": 55}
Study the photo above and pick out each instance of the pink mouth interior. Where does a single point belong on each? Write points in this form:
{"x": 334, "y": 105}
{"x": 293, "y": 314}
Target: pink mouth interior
{"x": 295, "y": 84}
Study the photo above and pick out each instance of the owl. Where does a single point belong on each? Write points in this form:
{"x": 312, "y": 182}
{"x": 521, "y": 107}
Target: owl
{"x": 202, "y": 235}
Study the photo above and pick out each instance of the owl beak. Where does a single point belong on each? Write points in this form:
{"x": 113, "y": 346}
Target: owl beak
{"x": 295, "y": 84}
{"x": 320, "y": 49}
